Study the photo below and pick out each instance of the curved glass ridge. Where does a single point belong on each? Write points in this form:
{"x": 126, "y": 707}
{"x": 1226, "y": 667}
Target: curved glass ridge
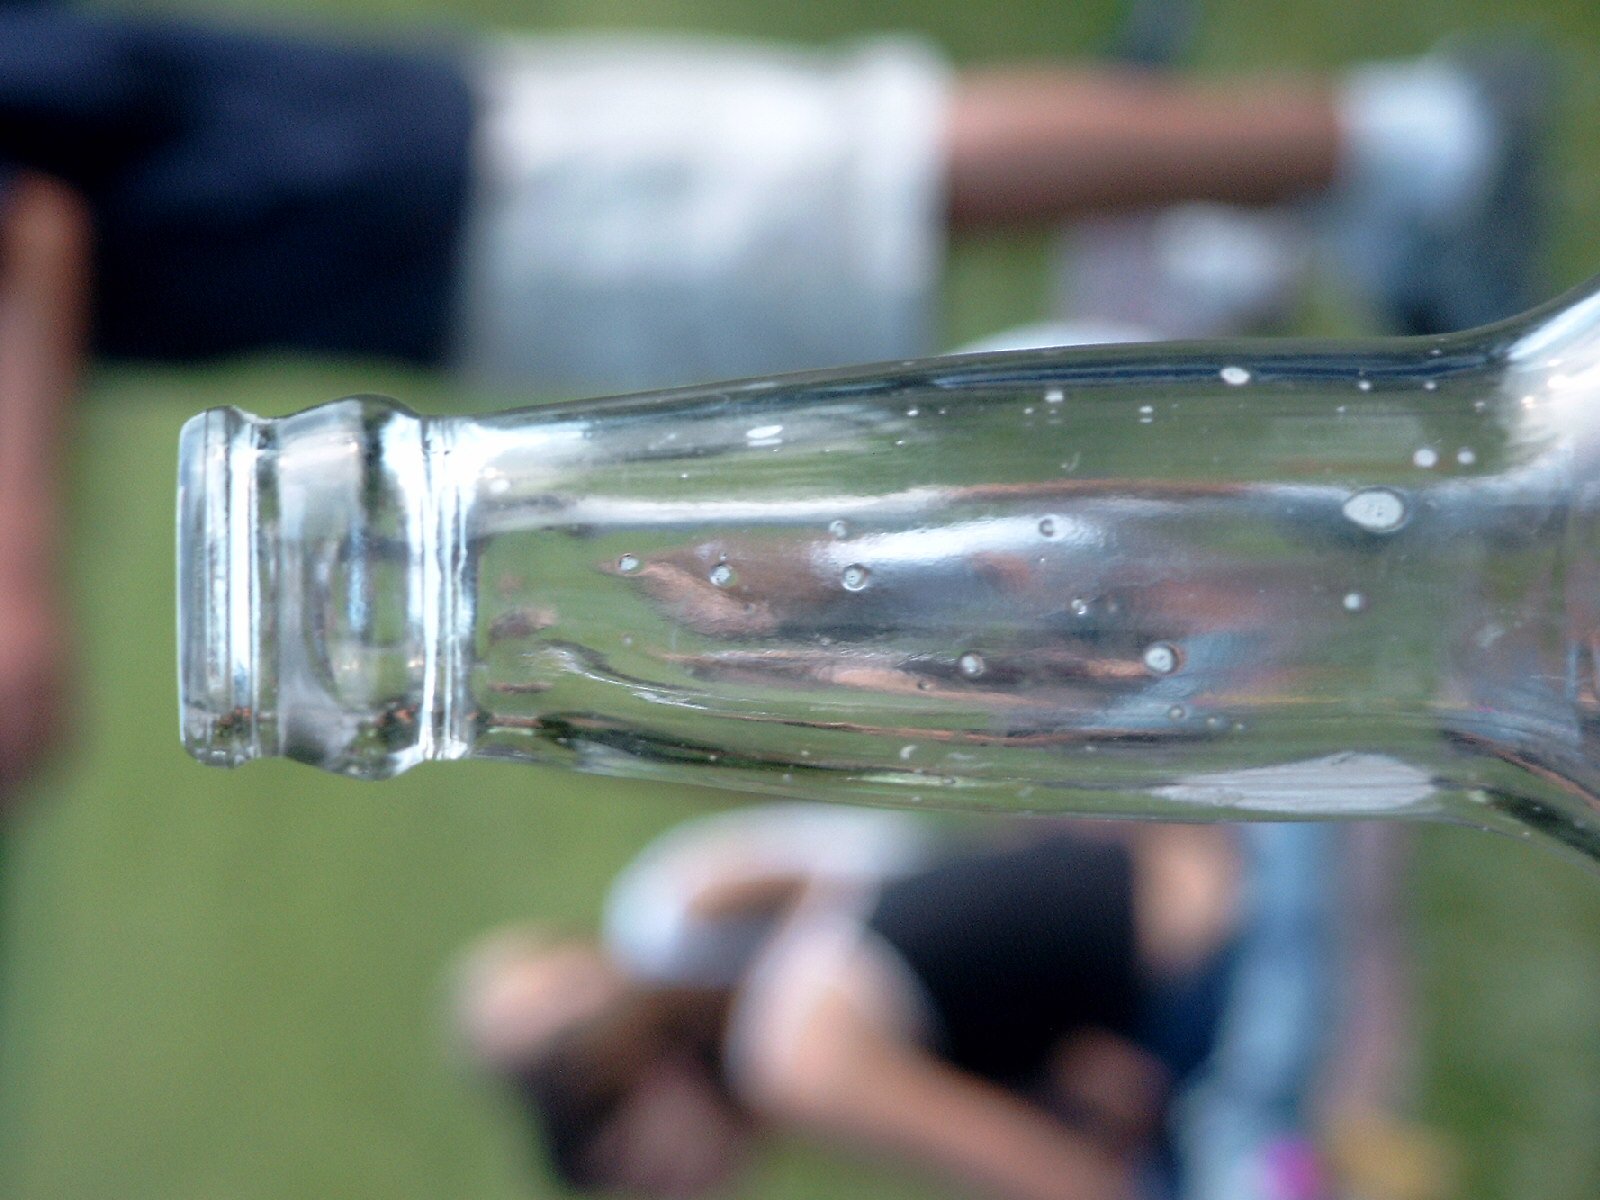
{"x": 217, "y": 596}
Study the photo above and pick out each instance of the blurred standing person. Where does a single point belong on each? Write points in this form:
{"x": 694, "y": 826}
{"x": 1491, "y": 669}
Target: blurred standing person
{"x": 602, "y": 212}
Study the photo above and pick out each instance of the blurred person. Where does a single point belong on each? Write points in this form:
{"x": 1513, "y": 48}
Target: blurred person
{"x": 1046, "y": 1011}
{"x": 614, "y": 211}
{"x": 611, "y": 212}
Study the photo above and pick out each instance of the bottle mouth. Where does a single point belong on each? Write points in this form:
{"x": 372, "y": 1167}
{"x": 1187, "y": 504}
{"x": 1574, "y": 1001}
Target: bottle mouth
{"x": 218, "y": 589}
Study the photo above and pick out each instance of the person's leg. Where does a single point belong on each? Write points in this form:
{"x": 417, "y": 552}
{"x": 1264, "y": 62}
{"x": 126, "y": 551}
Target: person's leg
{"x": 1426, "y": 172}
{"x": 1038, "y": 145}
{"x": 649, "y": 213}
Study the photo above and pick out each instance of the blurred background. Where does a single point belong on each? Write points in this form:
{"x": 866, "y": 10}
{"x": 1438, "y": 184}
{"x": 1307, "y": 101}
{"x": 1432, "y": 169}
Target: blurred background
{"x": 228, "y": 985}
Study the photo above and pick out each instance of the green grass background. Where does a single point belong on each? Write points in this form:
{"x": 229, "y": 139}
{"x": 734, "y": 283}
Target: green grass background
{"x": 226, "y": 986}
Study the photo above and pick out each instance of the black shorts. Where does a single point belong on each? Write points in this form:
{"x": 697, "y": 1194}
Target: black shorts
{"x": 1018, "y": 946}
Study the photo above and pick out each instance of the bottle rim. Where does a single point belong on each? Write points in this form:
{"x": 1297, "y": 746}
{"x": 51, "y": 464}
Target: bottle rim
{"x": 217, "y": 587}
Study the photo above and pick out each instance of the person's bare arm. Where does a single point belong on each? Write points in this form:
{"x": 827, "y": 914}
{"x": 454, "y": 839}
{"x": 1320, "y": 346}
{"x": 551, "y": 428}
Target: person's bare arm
{"x": 826, "y": 1059}
{"x": 44, "y": 269}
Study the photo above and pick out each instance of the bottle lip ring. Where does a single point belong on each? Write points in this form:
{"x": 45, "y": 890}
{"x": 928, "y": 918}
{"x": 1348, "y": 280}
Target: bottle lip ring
{"x": 217, "y": 586}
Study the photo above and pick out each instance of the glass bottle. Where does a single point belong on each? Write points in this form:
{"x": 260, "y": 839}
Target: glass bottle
{"x": 1207, "y": 580}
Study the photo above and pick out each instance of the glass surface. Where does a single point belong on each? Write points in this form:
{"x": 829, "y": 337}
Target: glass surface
{"x": 1265, "y": 578}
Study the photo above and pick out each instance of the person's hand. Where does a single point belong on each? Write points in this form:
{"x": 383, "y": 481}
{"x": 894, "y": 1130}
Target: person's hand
{"x": 1110, "y": 1086}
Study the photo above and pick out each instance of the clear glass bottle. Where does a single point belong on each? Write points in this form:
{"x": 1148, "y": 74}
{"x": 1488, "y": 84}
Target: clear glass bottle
{"x": 1232, "y": 580}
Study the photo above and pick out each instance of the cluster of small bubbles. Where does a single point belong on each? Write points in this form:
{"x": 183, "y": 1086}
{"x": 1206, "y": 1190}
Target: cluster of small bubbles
{"x": 628, "y": 564}
{"x": 971, "y": 665}
{"x": 1364, "y": 384}
{"x": 855, "y": 577}
{"x": 1234, "y": 376}
{"x": 1176, "y": 713}
{"x": 1377, "y": 510}
{"x": 839, "y": 529}
{"x": 1430, "y": 385}
{"x": 1047, "y": 527}
{"x": 1079, "y": 607}
{"x": 1161, "y": 658}
{"x": 1425, "y": 457}
{"x": 1147, "y": 414}
{"x": 721, "y": 575}
{"x": 1054, "y": 396}
{"x": 1466, "y": 456}
{"x": 1354, "y": 602}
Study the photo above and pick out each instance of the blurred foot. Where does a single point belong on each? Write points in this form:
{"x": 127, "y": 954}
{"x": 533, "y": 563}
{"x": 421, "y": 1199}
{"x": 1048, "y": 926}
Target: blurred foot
{"x": 1189, "y": 271}
{"x": 518, "y": 988}
{"x": 1438, "y": 215}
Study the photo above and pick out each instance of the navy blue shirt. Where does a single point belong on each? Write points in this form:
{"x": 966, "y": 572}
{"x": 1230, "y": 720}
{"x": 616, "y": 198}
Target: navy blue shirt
{"x": 249, "y": 192}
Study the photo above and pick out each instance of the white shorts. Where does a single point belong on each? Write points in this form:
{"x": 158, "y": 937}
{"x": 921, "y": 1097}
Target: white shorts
{"x": 650, "y": 212}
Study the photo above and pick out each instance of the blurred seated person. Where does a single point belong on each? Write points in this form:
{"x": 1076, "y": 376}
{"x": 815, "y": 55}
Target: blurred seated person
{"x": 1017, "y": 1014}
{"x": 591, "y": 213}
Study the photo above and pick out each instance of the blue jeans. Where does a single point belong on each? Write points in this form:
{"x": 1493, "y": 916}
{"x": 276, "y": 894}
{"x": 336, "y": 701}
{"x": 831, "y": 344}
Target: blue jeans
{"x": 1240, "y": 1127}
